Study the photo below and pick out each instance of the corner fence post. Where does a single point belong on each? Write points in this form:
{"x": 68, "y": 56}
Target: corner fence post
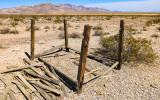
{"x": 83, "y": 58}
{"x": 121, "y": 38}
{"x": 32, "y": 38}
{"x": 66, "y": 35}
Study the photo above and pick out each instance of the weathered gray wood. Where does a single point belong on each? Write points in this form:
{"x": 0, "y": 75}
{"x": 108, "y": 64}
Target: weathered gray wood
{"x": 28, "y": 85}
{"x": 83, "y": 57}
{"x": 121, "y": 38}
{"x": 92, "y": 71}
{"x": 101, "y": 75}
{"x": 7, "y": 89}
{"x": 24, "y": 92}
{"x": 66, "y": 35}
{"x": 43, "y": 77}
{"x": 11, "y": 95}
{"x": 18, "y": 68}
{"x": 68, "y": 81}
{"x": 87, "y": 69}
{"x": 42, "y": 92}
{"x": 32, "y": 38}
{"x": 47, "y": 87}
{"x": 49, "y": 51}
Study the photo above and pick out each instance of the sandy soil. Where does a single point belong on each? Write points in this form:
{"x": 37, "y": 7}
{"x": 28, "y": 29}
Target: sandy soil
{"x": 138, "y": 83}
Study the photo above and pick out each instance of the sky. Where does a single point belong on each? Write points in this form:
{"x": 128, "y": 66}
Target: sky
{"x": 112, "y": 5}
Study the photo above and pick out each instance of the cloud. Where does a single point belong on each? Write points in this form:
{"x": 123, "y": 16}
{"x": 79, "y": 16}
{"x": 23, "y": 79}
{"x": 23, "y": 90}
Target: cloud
{"x": 130, "y": 6}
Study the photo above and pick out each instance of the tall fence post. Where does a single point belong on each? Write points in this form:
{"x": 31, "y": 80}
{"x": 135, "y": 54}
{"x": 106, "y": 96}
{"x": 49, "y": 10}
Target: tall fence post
{"x": 83, "y": 57}
{"x": 121, "y": 38}
{"x": 32, "y": 38}
{"x": 66, "y": 35}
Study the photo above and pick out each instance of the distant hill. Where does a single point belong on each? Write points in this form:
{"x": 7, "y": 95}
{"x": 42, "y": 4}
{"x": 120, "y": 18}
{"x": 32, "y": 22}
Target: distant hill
{"x": 48, "y": 8}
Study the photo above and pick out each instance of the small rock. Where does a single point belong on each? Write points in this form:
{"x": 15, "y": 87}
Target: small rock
{"x": 153, "y": 86}
{"x": 100, "y": 92}
{"x": 106, "y": 85}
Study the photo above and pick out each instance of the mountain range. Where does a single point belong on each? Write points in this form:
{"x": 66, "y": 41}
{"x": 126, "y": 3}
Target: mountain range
{"x": 49, "y": 8}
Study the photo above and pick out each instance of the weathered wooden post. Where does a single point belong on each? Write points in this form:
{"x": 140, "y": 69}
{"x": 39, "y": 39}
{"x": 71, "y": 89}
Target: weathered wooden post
{"x": 32, "y": 38}
{"x": 83, "y": 57}
{"x": 121, "y": 38}
{"x": 66, "y": 35}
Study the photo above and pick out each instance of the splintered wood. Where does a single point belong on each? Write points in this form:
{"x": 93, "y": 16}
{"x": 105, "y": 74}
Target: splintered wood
{"x": 34, "y": 80}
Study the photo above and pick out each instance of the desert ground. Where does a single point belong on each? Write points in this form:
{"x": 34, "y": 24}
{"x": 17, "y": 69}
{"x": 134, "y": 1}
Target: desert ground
{"x": 133, "y": 82}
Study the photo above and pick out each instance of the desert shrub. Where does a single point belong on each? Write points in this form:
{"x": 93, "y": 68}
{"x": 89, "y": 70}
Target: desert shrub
{"x": 72, "y": 35}
{"x": 8, "y": 31}
{"x": 14, "y": 24}
{"x": 155, "y": 35}
{"x": 1, "y": 23}
{"x": 134, "y": 50}
{"x": 75, "y": 35}
{"x": 46, "y": 27}
{"x": 154, "y": 21}
{"x": 98, "y": 33}
{"x": 49, "y": 18}
{"x": 130, "y": 30}
{"x": 4, "y": 31}
{"x": 158, "y": 28}
{"x": 58, "y": 20}
{"x": 60, "y": 28}
{"x": 98, "y": 27}
{"x": 61, "y": 35}
{"x": 35, "y": 27}
{"x": 14, "y": 32}
{"x": 53, "y": 27}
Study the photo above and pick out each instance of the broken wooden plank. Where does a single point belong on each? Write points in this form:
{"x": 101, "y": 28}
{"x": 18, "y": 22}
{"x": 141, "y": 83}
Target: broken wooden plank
{"x": 65, "y": 79}
{"x": 28, "y": 85}
{"x": 43, "y": 77}
{"x": 47, "y": 87}
{"x": 92, "y": 71}
{"x": 18, "y": 68}
{"x": 11, "y": 95}
{"x": 24, "y": 92}
{"x": 7, "y": 89}
{"x": 83, "y": 57}
{"x": 87, "y": 69}
{"x": 50, "y": 50}
{"x": 101, "y": 75}
{"x": 43, "y": 93}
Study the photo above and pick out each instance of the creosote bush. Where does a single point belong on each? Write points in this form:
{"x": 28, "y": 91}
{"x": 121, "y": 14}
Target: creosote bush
{"x": 98, "y": 33}
{"x": 8, "y": 31}
{"x": 134, "y": 50}
{"x": 60, "y": 28}
{"x": 37, "y": 28}
{"x": 98, "y": 27}
{"x": 4, "y": 31}
{"x": 72, "y": 35}
{"x": 46, "y": 27}
{"x": 155, "y": 36}
{"x": 75, "y": 35}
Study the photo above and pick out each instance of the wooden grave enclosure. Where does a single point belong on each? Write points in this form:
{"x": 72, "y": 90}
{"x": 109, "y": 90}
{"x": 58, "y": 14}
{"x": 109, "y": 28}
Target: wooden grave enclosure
{"x": 40, "y": 71}
{"x": 83, "y": 55}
